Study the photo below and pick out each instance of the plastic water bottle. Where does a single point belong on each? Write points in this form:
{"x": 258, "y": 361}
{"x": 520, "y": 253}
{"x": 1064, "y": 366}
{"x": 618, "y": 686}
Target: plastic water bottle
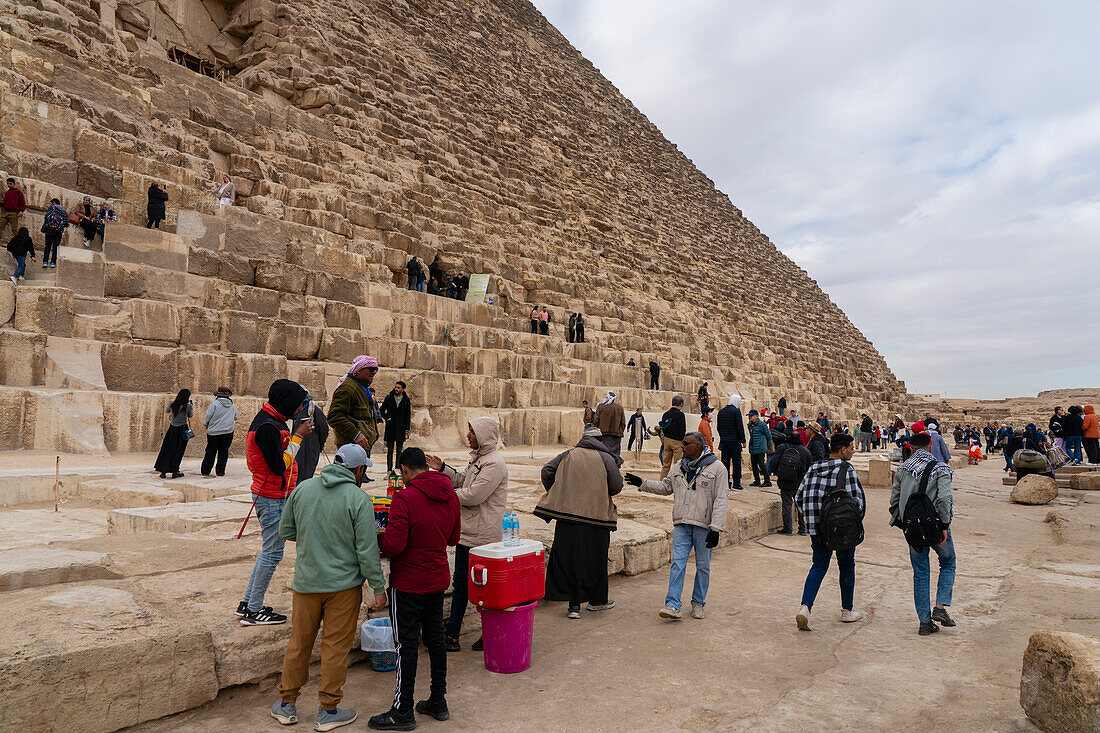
{"x": 511, "y": 529}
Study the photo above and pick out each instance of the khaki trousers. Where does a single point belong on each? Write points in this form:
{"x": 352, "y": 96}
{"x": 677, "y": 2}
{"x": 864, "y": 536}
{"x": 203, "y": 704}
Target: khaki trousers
{"x": 9, "y": 219}
{"x": 339, "y": 613}
{"x": 674, "y": 451}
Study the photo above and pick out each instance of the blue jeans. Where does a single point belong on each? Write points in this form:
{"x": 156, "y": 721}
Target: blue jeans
{"x": 922, "y": 576}
{"x": 20, "y": 266}
{"x": 684, "y": 538}
{"x": 1073, "y": 447}
{"x": 420, "y": 287}
{"x": 268, "y": 512}
{"x": 845, "y": 560}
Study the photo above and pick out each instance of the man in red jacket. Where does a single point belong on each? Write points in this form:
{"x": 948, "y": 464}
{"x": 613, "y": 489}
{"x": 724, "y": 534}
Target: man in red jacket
{"x": 14, "y": 206}
{"x": 423, "y": 522}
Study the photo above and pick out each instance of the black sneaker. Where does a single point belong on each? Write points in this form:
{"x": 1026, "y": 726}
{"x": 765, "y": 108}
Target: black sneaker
{"x": 785, "y": 531}
{"x": 940, "y": 614}
{"x": 803, "y": 532}
{"x": 264, "y": 617}
{"x": 755, "y": 483}
{"x": 435, "y": 708}
{"x": 451, "y": 643}
{"x": 393, "y": 719}
{"x": 574, "y": 611}
{"x": 478, "y": 646}
{"x": 242, "y": 609}
{"x": 928, "y": 627}
{"x": 737, "y": 488}
{"x": 766, "y": 484}
{"x": 177, "y": 475}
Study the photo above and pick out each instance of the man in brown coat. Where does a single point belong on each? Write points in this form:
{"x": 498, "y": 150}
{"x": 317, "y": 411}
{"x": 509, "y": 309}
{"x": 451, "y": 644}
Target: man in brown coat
{"x": 611, "y": 420}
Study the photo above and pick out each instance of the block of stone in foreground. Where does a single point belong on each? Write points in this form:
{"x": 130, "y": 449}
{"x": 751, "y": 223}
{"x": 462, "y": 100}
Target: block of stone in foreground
{"x": 181, "y": 518}
{"x": 30, "y": 567}
{"x": 1060, "y": 683}
{"x": 1087, "y": 481}
{"x": 1034, "y": 489}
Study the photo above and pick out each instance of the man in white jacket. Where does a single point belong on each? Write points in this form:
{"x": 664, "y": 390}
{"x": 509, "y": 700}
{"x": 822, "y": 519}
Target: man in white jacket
{"x": 699, "y": 485}
{"x": 482, "y": 490}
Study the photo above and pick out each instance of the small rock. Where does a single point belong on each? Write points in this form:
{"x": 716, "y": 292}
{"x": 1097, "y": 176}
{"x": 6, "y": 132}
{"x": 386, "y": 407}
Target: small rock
{"x": 1060, "y": 682}
{"x": 1034, "y": 489}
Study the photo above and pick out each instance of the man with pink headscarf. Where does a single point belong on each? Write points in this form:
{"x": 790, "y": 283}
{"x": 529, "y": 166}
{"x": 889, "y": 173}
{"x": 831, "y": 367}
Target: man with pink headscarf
{"x": 352, "y": 412}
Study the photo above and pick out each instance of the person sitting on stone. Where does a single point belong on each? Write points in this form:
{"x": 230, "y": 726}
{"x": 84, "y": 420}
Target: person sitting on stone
{"x": 226, "y": 191}
{"x": 85, "y": 214}
{"x": 103, "y": 216}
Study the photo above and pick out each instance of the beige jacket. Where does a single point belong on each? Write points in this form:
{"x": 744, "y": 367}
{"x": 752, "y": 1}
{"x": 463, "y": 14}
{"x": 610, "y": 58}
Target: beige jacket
{"x": 580, "y": 482}
{"x": 482, "y": 488}
{"x": 703, "y": 503}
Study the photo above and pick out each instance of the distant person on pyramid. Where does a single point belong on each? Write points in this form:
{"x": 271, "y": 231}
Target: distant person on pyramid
{"x": 611, "y": 420}
{"x": 226, "y": 191}
{"x": 21, "y": 247}
{"x": 571, "y": 328}
{"x": 174, "y": 444}
{"x": 53, "y": 227}
{"x": 580, "y": 328}
{"x": 352, "y": 412}
{"x": 544, "y": 321}
{"x": 85, "y": 215}
{"x": 104, "y": 216}
{"x": 154, "y": 208}
{"x": 654, "y": 375}
{"x": 14, "y": 206}
{"x": 704, "y": 398}
{"x": 269, "y": 451}
{"x": 638, "y": 434}
{"x": 535, "y": 319}
{"x": 416, "y": 274}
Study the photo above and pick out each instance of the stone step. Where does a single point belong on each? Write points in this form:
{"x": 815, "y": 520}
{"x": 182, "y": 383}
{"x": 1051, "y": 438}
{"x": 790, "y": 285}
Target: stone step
{"x": 31, "y": 567}
{"x": 181, "y": 518}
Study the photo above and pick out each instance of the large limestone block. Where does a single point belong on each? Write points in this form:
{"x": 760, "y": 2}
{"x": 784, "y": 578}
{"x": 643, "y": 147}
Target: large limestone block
{"x": 302, "y": 342}
{"x": 878, "y": 472}
{"x": 204, "y": 372}
{"x": 141, "y": 246}
{"x": 74, "y": 364}
{"x": 134, "y": 423}
{"x": 22, "y": 359}
{"x": 341, "y": 345}
{"x": 44, "y": 310}
{"x": 71, "y": 422}
{"x": 80, "y": 270}
{"x": 13, "y": 406}
{"x": 309, "y": 375}
{"x": 140, "y": 368}
{"x": 1085, "y": 481}
{"x": 7, "y": 301}
{"x": 200, "y": 327}
{"x": 154, "y": 320}
{"x": 1060, "y": 682}
{"x": 1034, "y": 489}
{"x": 31, "y": 567}
{"x": 179, "y": 518}
{"x": 109, "y": 660}
{"x": 256, "y": 372}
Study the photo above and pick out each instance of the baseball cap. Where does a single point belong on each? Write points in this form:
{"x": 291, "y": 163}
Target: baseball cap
{"x": 352, "y": 456}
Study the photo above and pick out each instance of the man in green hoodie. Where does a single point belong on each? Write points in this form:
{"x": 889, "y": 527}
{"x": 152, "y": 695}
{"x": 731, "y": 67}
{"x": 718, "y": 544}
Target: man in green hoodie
{"x": 332, "y": 521}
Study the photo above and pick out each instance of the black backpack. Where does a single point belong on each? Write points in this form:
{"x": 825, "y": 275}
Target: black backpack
{"x": 921, "y": 525}
{"x": 841, "y": 523}
{"x": 790, "y": 466}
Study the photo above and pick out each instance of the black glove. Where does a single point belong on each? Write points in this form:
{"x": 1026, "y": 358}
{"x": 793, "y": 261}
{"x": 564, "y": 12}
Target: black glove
{"x": 632, "y": 479}
{"x": 712, "y": 539}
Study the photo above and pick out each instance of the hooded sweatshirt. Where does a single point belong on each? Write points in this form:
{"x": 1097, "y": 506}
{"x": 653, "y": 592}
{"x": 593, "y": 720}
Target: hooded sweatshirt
{"x": 21, "y": 244}
{"x": 1091, "y": 423}
{"x": 332, "y": 521}
{"x": 221, "y": 416}
{"x": 482, "y": 488}
{"x": 424, "y": 520}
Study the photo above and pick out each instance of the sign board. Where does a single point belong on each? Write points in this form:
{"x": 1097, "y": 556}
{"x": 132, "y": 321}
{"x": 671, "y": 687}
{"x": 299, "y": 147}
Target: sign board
{"x": 479, "y": 285}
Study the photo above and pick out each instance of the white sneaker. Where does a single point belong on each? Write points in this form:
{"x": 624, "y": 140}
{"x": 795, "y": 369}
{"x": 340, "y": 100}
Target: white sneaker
{"x": 14, "y": 279}
{"x": 87, "y": 243}
{"x": 670, "y": 612}
{"x": 803, "y": 619}
{"x": 697, "y": 610}
{"x": 850, "y": 617}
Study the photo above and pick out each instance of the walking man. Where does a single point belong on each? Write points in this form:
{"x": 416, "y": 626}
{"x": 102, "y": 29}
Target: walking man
{"x": 907, "y": 482}
{"x": 823, "y": 478}
{"x": 638, "y": 433}
{"x": 482, "y": 490}
{"x": 674, "y": 429}
{"x": 759, "y": 437}
{"x": 589, "y": 414}
{"x": 424, "y": 521}
{"x": 352, "y": 412}
{"x": 331, "y": 521}
{"x": 699, "y": 486}
{"x": 611, "y": 420}
{"x": 731, "y": 439}
{"x": 397, "y": 412}
{"x": 792, "y": 462}
{"x": 269, "y": 451}
{"x": 14, "y": 206}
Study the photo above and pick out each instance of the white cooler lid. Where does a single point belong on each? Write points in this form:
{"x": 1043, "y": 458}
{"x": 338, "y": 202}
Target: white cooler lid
{"x": 497, "y": 550}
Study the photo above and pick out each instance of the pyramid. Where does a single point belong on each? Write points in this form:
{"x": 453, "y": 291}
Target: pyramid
{"x": 470, "y": 134}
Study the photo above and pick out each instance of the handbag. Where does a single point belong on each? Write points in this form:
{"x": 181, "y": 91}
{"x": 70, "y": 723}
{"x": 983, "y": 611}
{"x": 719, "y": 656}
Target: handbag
{"x": 189, "y": 433}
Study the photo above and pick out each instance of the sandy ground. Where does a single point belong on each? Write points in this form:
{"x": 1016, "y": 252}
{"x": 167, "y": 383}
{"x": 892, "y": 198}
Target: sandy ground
{"x": 746, "y": 666}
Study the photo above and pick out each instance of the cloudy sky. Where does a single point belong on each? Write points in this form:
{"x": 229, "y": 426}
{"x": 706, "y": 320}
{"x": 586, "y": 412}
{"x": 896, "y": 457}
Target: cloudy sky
{"x": 934, "y": 166}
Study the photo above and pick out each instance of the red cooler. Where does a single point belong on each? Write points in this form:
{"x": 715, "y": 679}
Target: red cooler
{"x": 502, "y": 577}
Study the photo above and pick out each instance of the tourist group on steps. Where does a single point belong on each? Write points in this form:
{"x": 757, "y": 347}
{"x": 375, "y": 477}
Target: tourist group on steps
{"x": 339, "y": 548}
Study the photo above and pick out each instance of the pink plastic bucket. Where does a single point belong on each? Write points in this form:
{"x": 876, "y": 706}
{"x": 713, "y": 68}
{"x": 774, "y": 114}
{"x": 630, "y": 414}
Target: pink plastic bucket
{"x": 508, "y": 636}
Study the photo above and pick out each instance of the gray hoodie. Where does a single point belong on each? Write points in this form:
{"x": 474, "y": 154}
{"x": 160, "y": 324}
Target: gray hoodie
{"x": 221, "y": 417}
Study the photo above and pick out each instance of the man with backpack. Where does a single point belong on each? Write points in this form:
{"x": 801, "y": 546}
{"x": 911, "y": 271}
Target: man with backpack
{"x": 833, "y": 505}
{"x": 53, "y": 227}
{"x": 792, "y": 462}
{"x": 921, "y": 505}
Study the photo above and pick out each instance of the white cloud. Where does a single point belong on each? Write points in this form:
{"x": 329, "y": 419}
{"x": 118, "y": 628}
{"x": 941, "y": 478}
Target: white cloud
{"x": 935, "y": 166}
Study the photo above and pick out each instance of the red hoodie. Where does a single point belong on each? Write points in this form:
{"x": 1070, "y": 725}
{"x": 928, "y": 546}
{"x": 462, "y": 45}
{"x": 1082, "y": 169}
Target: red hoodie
{"x": 424, "y": 520}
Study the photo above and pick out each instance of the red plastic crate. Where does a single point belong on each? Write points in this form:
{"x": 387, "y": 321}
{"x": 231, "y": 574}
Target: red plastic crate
{"x": 501, "y": 577}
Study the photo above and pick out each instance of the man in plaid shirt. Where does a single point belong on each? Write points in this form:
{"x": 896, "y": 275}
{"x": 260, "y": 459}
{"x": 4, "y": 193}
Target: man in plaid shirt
{"x": 823, "y": 477}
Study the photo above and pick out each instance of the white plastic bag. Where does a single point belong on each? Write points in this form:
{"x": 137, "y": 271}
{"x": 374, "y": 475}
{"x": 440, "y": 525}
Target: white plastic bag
{"x": 377, "y": 636}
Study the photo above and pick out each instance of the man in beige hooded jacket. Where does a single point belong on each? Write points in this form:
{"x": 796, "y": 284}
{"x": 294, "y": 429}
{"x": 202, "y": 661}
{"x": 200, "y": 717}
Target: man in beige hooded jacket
{"x": 482, "y": 490}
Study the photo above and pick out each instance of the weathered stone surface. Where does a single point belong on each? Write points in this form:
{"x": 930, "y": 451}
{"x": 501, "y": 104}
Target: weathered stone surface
{"x": 30, "y": 567}
{"x": 1085, "y": 481}
{"x": 1060, "y": 682}
{"x": 44, "y": 310}
{"x": 22, "y": 358}
{"x": 1034, "y": 489}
